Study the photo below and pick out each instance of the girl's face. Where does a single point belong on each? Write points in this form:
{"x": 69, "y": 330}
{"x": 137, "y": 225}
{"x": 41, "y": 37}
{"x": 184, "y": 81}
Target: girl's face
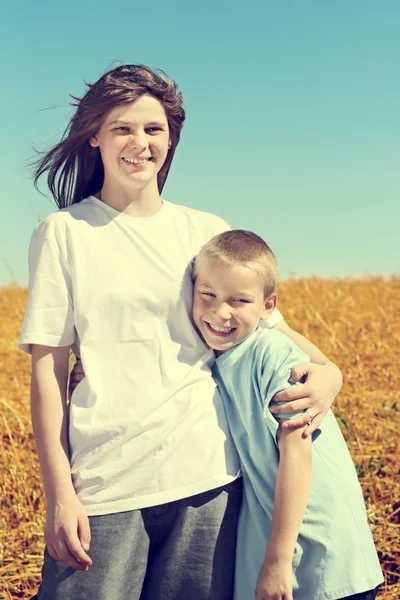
{"x": 133, "y": 141}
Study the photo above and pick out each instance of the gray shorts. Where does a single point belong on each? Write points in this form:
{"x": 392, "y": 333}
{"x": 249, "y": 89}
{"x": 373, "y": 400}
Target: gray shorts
{"x": 181, "y": 550}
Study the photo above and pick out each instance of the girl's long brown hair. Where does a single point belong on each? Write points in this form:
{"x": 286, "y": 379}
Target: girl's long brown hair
{"x": 75, "y": 169}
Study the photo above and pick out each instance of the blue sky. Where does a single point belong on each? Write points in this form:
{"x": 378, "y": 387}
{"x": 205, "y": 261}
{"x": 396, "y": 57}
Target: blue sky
{"x": 292, "y": 128}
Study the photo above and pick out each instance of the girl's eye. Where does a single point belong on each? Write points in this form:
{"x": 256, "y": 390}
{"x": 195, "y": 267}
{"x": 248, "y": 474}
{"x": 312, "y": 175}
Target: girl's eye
{"x": 153, "y": 129}
{"x": 208, "y": 294}
{"x": 241, "y": 300}
{"x": 122, "y": 129}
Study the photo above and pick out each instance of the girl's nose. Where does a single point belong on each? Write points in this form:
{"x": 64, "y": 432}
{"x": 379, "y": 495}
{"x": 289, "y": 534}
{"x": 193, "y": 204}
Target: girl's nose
{"x": 138, "y": 141}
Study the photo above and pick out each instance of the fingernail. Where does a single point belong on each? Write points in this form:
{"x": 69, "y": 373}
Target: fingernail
{"x": 86, "y": 546}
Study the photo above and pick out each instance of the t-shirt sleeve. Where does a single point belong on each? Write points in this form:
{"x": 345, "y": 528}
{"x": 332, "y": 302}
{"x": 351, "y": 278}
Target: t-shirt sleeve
{"x": 275, "y": 374}
{"x": 274, "y": 318}
{"x": 220, "y": 226}
{"x": 49, "y": 315}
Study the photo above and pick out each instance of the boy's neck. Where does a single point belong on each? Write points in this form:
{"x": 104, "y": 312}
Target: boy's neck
{"x": 219, "y": 352}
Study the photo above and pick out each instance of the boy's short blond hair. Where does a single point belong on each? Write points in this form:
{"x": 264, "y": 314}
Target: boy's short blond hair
{"x": 240, "y": 247}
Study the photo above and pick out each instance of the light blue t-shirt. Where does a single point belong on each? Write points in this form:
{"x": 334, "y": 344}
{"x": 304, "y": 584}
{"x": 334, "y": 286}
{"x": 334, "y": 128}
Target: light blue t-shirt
{"x": 335, "y": 554}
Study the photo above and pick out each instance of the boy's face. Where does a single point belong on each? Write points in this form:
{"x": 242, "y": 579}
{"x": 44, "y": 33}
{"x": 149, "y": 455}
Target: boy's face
{"x": 228, "y": 303}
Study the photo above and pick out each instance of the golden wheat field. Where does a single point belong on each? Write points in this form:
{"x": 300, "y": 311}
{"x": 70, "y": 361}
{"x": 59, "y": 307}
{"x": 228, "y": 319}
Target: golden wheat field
{"x": 355, "y": 322}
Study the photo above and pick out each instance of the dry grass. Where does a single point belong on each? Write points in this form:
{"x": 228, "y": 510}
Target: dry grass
{"x": 355, "y": 322}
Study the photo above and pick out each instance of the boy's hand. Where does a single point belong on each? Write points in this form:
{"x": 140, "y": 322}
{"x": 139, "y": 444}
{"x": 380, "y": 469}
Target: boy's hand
{"x": 76, "y": 376}
{"x": 323, "y": 383}
{"x": 67, "y": 533}
{"x": 275, "y": 581}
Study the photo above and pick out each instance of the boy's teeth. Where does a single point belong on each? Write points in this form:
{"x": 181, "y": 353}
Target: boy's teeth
{"x": 221, "y": 329}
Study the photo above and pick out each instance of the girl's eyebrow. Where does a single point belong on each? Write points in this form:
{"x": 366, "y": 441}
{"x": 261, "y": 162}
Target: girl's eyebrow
{"x": 156, "y": 124}
{"x": 151, "y": 124}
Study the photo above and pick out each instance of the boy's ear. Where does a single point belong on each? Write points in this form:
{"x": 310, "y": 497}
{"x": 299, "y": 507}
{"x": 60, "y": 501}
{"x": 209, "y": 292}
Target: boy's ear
{"x": 269, "y": 306}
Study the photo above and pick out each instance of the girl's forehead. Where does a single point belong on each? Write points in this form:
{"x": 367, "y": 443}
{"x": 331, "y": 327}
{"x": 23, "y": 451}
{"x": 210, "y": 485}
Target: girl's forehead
{"x": 145, "y": 107}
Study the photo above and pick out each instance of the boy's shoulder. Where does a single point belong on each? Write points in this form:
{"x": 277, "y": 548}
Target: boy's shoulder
{"x": 261, "y": 347}
{"x": 269, "y": 341}
{"x": 270, "y": 347}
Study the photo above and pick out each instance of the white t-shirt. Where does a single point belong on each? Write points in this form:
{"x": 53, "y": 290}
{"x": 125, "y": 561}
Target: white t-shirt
{"x": 147, "y": 425}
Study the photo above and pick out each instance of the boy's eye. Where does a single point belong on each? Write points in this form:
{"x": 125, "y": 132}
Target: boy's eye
{"x": 208, "y": 294}
{"x": 122, "y": 129}
{"x": 153, "y": 129}
{"x": 241, "y": 300}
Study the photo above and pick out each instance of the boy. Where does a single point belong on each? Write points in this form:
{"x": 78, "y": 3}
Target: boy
{"x": 303, "y": 531}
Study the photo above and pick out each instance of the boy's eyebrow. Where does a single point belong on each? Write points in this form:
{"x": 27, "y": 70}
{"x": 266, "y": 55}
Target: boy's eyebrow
{"x": 248, "y": 296}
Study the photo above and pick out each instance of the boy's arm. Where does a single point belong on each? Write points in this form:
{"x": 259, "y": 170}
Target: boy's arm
{"x": 291, "y": 496}
{"x": 67, "y": 526}
{"x": 315, "y": 354}
{"x": 323, "y": 383}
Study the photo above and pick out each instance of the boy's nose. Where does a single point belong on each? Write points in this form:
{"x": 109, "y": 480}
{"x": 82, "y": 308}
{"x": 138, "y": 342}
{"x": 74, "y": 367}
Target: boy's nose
{"x": 223, "y": 312}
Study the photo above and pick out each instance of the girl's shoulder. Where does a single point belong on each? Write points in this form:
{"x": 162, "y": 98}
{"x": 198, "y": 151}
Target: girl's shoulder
{"x": 54, "y": 227}
{"x": 213, "y": 224}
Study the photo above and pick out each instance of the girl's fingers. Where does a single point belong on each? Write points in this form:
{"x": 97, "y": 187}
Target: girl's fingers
{"x": 74, "y": 544}
{"x": 78, "y": 554}
{"x": 316, "y": 422}
{"x": 292, "y": 393}
{"x": 61, "y": 553}
{"x": 300, "y": 421}
{"x": 300, "y": 371}
{"x": 290, "y": 407}
{"x": 84, "y": 532}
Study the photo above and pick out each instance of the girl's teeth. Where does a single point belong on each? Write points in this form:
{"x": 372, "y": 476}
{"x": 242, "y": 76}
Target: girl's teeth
{"x": 135, "y": 161}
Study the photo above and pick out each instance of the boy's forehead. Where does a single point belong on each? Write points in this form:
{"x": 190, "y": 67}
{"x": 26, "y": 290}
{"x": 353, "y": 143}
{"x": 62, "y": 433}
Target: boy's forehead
{"x": 217, "y": 273}
{"x": 209, "y": 266}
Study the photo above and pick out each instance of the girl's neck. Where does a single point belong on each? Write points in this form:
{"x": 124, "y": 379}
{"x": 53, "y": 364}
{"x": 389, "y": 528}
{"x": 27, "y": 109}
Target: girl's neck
{"x": 144, "y": 202}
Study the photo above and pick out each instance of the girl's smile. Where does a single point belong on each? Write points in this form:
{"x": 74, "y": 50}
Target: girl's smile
{"x": 134, "y": 142}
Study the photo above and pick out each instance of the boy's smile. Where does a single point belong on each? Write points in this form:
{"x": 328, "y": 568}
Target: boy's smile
{"x": 228, "y": 302}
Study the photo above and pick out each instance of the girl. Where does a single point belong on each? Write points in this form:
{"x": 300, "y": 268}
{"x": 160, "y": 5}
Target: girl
{"x": 140, "y": 467}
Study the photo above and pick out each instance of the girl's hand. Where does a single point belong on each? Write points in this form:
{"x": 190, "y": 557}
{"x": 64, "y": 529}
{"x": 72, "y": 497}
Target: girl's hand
{"x": 323, "y": 383}
{"x": 275, "y": 581}
{"x": 76, "y": 376}
{"x": 67, "y": 533}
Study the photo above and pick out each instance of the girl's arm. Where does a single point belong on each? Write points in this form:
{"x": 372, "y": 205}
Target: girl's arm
{"x": 291, "y": 496}
{"x": 67, "y": 532}
{"x": 323, "y": 383}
